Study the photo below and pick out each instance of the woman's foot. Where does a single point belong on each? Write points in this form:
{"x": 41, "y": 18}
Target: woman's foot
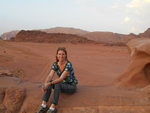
{"x": 42, "y": 109}
{"x": 50, "y": 111}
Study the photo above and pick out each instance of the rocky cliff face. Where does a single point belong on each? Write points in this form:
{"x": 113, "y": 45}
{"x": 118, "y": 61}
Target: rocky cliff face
{"x": 43, "y": 37}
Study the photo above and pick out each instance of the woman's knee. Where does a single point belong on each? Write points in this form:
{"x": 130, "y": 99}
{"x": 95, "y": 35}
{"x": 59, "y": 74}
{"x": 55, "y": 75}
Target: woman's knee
{"x": 57, "y": 86}
{"x": 49, "y": 87}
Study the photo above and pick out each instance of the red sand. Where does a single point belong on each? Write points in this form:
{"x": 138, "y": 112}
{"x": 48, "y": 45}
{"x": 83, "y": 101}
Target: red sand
{"x": 93, "y": 64}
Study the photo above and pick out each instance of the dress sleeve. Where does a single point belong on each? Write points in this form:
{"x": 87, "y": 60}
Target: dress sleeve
{"x": 54, "y": 66}
{"x": 68, "y": 67}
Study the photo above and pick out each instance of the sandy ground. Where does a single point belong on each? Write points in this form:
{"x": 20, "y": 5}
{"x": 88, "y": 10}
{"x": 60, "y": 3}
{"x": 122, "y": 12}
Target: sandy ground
{"x": 93, "y": 64}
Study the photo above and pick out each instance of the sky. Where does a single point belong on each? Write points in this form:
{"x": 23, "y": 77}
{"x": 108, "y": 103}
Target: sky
{"x": 118, "y": 16}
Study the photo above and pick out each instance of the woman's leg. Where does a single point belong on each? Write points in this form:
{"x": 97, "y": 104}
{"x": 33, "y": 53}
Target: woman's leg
{"x": 57, "y": 91}
{"x": 43, "y": 108}
{"x": 67, "y": 88}
{"x": 47, "y": 94}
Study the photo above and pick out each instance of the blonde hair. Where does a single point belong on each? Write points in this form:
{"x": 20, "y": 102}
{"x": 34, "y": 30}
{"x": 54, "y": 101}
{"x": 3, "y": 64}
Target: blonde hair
{"x": 63, "y": 49}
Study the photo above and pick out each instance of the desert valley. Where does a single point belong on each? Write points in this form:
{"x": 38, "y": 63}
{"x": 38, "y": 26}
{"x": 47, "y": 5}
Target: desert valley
{"x": 113, "y": 70}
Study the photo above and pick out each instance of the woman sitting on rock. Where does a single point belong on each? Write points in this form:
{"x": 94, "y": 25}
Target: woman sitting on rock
{"x": 66, "y": 81}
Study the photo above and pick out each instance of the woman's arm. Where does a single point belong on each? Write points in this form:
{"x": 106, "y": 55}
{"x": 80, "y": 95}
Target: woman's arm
{"x": 50, "y": 76}
{"x": 62, "y": 77}
{"x": 47, "y": 81}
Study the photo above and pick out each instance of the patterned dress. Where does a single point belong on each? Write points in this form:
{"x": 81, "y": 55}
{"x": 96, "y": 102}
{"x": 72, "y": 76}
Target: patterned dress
{"x": 70, "y": 79}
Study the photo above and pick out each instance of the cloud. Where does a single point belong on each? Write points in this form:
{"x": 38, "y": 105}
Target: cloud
{"x": 139, "y": 7}
{"x": 138, "y": 3}
{"x": 127, "y": 19}
{"x": 134, "y": 30}
{"x": 139, "y": 13}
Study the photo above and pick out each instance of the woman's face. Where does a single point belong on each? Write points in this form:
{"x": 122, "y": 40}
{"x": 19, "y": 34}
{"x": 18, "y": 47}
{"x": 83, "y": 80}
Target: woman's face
{"x": 61, "y": 56}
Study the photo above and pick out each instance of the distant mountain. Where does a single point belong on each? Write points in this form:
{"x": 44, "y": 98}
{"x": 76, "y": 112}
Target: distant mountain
{"x": 8, "y": 35}
{"x": 103, "y": 37}
{"x": 100, "y": 37}
{"x": 43, "y": 37}
{"x": 127, "y": 38}
{"x": 66, "y": 30}
{"x": 146, "y": 34}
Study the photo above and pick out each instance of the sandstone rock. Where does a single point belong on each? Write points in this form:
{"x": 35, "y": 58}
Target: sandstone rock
{"x": 43, "y": 37}
{"x": 13, "y": 99}
{"x": 137, "y": 73}
{"x": 2, "y": 93}
{"x": 107, "y": 109}
{"x": 6, "y": 73}
{"x": 2, "y": 108}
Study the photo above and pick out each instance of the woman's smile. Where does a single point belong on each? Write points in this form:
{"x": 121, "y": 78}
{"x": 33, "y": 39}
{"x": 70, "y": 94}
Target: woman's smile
{"x": 61, "y": 55}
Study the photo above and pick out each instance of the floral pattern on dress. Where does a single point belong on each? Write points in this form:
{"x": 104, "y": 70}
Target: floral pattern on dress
{"x": 70, "y": 78}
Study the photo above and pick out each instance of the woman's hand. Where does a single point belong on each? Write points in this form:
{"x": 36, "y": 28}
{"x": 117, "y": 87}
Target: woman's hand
{"x": 45, "y": 86}
{"x": 43, "y": 89}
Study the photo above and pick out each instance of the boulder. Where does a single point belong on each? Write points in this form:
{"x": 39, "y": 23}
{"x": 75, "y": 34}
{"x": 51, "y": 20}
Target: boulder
{"x": 13, "y": 99}
{"x": 137, "y": 73}
{"x": 6, "y": 73}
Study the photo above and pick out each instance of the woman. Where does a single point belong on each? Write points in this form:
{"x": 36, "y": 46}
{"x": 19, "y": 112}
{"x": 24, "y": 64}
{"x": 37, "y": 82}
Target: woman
{"x": 66, "y": 81}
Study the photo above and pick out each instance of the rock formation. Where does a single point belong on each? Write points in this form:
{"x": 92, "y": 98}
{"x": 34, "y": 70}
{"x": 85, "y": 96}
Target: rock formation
{"x": 16, "y": 95}
{"x": 43, "y": 37}
{"x": 137, "y": 73}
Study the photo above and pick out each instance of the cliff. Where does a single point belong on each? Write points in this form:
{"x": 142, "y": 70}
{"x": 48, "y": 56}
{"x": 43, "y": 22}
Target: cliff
{"x": 43, "y": 37}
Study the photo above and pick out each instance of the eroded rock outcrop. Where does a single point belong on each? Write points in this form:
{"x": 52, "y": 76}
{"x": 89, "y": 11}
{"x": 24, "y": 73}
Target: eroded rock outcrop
{"x": 137, "y": 73}
{"x": 43, "y": 37}
{"x": 16, "y": 96}
{"x": 13, "y": 99}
